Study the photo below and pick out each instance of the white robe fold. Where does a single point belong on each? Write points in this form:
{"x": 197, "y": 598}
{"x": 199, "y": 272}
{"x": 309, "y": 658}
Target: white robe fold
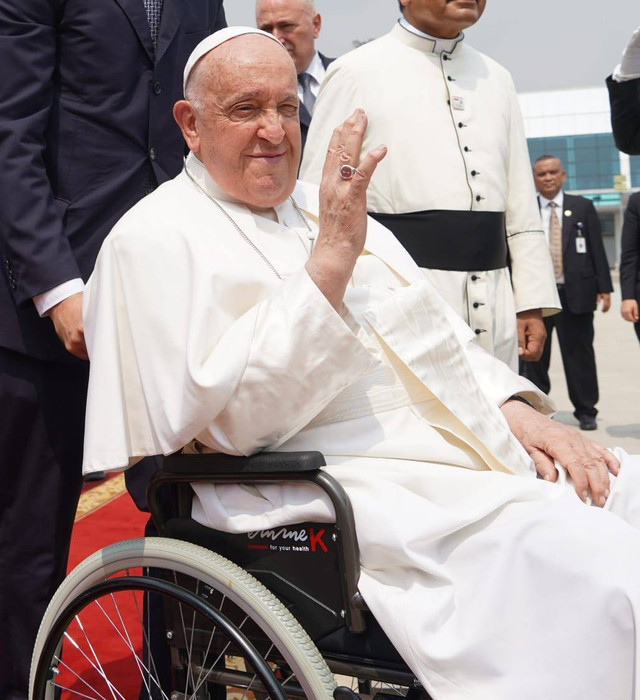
{"x": 479, "y": 572}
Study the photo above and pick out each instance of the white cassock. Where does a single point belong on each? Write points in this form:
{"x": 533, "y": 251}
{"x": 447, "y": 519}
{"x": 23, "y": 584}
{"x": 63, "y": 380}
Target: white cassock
{"x": 491, "y": 583}
{"x": 456, "y": 142}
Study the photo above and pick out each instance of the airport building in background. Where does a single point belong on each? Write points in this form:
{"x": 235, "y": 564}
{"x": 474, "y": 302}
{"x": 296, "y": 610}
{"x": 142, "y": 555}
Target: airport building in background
{"x": 575, "y": 126}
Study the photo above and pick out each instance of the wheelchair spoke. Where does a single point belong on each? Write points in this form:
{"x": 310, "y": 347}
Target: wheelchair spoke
{"x": 152, "y": 673}
{"x": 189, "y": 673}
{"x": 146, "y": 673}
{"x": 60, "y": 662}
{"x": 76, "y": 693}
{"x": 98, "y": 668}
{"x": 200, "y": 682}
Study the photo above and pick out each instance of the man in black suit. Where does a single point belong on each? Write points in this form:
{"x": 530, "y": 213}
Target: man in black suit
{"x": 86, "y": 130}
{"x": 630, "y": 263}
{"x": 297, "y": 25}
{"x": 582, "y": 275}
{"x": 624, "y": 97}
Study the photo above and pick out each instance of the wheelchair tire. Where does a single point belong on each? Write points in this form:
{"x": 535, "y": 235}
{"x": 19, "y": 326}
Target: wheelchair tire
{"x": 224, "y": 580}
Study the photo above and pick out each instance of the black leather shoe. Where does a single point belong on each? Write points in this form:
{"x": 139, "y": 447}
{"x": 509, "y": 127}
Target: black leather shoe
{"x": 94, "y": 476}
{"x": 588, "y": 423}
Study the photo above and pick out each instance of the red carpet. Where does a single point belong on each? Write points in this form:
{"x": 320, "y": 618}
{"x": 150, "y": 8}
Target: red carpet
{"x": 114, "y": 520}
{"x": 117, "y": 519}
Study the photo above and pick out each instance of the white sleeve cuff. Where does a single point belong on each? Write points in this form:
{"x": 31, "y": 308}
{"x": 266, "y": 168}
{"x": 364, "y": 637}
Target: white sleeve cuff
{"x": 621, "y": 76}
{"x": 47, "y": 300}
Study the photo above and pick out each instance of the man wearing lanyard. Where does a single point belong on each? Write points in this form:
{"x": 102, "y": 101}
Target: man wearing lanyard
{"x": 582, "y": 274}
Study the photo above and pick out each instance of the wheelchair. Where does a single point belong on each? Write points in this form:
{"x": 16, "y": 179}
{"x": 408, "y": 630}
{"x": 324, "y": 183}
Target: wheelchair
{"x": 205, "y": 615}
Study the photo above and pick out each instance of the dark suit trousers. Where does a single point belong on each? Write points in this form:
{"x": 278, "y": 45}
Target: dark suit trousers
{"x": 42, "y": 406}
{"x": 575, "y": 337}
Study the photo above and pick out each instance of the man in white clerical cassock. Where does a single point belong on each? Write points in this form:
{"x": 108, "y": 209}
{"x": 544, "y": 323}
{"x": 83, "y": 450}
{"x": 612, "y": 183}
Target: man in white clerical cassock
{"x": 456, "y": 187}
{"x": 234, "y": 310}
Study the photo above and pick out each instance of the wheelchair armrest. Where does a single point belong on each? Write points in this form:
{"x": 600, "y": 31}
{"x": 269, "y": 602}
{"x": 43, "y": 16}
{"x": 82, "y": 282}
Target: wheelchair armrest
{"x": 207, "y": 465}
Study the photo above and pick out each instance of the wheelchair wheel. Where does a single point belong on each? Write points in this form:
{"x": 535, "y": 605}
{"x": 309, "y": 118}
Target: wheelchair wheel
{"x": 220, "y": 633}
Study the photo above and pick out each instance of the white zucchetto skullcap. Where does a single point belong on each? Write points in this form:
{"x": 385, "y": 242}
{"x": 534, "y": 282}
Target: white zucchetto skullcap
{"x": 216, "y": 39}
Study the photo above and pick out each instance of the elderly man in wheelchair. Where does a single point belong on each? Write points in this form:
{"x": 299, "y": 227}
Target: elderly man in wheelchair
{"x": 419, "y": 521}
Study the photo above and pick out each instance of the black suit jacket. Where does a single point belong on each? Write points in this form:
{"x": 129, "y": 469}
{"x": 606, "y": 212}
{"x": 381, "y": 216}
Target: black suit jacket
{"x": 305, "y": 117}
{"x": 585, "y": 274}
{"x": 624, "y": 99}
{"x": 630, "y": 253}
{"x": 85, "y": 117}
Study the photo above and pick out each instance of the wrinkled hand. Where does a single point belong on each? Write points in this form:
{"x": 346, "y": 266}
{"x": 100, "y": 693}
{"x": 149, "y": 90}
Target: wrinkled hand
{"x": 630, "y": 63}
{"x": 531, "y": 335}
{"x": 587, "y": 462}
{"x": 67, "y": 320}
{"x": 629, "y": 310}
{"x": 605, "y": 299}
{"x": 343, "y": 209}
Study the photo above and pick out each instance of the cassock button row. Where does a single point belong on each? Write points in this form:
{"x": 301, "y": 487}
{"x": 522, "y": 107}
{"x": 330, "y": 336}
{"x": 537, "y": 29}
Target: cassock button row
{"x": 480, "y": 330}
{"x": 466, "y": 149}
{"x": 478, "y": 198}
{"x": 474, "y": 278}
{"x": 476, "y": 304}
{"x": 461, "y": 125}
{"x": 474, "y": 173}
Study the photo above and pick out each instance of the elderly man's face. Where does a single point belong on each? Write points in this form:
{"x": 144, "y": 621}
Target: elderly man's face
{"x": 247, "y": 133}
{"x": 443, "y": 18}
{"x": 292, "y": 22}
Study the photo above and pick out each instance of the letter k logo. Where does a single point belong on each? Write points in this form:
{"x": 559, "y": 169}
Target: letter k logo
{"x": 315, "y": 539}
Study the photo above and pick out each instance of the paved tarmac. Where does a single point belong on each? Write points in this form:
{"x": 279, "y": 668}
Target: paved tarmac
{"x": 618, "y": 360}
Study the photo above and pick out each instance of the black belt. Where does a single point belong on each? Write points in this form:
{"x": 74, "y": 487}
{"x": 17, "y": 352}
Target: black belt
{"x": 444, "y": 239}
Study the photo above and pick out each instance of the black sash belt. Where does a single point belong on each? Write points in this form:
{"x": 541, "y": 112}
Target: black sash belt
{"x": 451, "y": 240}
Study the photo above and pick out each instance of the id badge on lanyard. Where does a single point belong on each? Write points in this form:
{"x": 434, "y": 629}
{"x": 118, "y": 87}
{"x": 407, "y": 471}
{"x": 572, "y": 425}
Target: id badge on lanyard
{"x": 581, "y": 242}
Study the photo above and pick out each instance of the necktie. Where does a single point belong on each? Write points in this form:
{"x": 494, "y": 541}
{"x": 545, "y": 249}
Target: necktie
{"x": 308, "y": 98}
{"x": 555, "y": 240}
{"x": 154, "y": 11}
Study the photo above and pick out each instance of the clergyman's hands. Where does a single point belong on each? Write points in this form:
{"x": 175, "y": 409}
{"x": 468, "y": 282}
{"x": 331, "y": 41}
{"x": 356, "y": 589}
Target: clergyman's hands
{"x": 587, "y": 462}
{"x": 629, "y": 310}
{"x": 531, "y": 335}
{"x": 67, "y": 320}
{"x": 343, "y": 209}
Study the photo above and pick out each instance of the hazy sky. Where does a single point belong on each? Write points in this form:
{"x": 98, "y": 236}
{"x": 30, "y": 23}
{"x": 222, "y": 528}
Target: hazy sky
{"x": 546, "y": 44}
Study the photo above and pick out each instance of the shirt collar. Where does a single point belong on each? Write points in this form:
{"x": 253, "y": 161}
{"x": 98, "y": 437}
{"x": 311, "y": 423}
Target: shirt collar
{"x": 558, "y": 199}
{"x": 316, "y": 68}
{"x": 432, "y": 44}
